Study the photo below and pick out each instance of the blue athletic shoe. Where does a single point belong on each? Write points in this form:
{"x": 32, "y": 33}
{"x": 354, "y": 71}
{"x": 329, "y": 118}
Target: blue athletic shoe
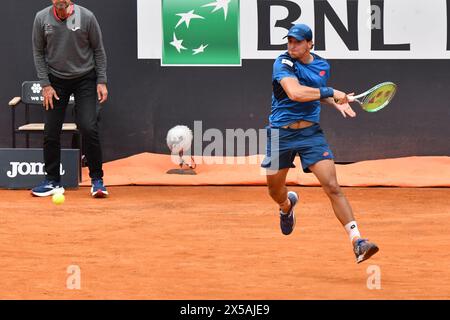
{"x": 98, "y": 190}
{"x": 364, "y": 249}
{"x": 47, "y": 188}
{"x": 287, "y": 221}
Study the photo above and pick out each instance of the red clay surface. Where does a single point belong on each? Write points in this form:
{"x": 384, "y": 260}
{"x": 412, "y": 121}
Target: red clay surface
{"x": 221, "y": 243}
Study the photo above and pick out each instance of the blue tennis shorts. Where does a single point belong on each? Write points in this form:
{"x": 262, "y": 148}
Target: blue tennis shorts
{"x": 284, "y": 144}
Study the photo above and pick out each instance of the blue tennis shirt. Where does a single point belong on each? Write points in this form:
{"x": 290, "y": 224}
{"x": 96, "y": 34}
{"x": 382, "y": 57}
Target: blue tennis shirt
{"x": 315, "y": 75}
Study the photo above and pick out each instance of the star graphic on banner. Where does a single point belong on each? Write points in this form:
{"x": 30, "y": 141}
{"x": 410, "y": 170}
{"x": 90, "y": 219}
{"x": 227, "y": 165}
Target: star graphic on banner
{"x": 186, "y": 17}
{"x": 177, "y": 43}
{"x": 219, "y": 4}
{"x": 200, "y": 49}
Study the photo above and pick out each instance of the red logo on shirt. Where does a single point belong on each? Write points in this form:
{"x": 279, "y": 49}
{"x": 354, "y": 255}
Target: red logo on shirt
{"x": 322, "y": 73}
{"x": 326, "y": 154}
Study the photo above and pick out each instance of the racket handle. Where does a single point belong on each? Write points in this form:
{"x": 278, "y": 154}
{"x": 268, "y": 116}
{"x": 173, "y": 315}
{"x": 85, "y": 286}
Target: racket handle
{"x": 351, "y": 98}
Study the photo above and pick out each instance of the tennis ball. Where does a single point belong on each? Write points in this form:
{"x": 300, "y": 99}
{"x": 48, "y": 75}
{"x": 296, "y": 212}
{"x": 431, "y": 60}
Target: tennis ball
{"x": 58, "y": 198}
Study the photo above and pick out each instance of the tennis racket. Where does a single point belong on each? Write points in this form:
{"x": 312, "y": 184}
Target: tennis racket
{"x": 375, "y": 98}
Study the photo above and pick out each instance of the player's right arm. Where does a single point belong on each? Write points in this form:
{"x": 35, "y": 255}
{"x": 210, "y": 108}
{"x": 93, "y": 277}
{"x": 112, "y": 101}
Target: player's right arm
{"x": 284, "y": 73}
{"x": 297, "y": 92}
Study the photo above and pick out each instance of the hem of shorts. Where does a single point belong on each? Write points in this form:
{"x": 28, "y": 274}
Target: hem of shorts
{"x": 291, "y": 166}
{"x": 306, "y": 167}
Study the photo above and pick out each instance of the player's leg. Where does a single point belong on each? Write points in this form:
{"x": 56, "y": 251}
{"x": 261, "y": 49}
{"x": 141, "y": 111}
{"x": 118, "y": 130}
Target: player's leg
{"x": 325, "y": 171}
{"x": 286, "y": 200}
{"x": 276, "y": 184}
{"x": 86, "y": 115}
{"x": 279, "y": 159}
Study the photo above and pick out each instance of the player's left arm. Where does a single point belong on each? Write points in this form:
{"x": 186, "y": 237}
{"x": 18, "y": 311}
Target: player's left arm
{"x": 345, "y": 109}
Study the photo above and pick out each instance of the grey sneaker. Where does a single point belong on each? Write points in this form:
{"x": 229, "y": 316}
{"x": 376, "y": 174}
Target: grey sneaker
{"x": 364, "y": 249}
{"x": 287, "y": 221}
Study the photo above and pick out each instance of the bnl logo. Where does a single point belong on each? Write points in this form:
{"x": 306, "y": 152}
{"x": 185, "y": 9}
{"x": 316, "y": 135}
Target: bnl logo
{"x": 207, "y": 32}
{"x": 323, "y": 12}
{"x": 201, "y": 32}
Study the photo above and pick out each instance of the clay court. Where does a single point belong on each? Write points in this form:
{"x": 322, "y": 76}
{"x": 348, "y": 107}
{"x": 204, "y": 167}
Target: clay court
{"x": 221, "y": 243}
{"x": 217, "y": 88}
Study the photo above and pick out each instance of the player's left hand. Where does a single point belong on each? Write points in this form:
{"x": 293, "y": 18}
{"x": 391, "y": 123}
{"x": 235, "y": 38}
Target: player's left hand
{"x": 102, "y": 92}
{"x": 346, "y": 110}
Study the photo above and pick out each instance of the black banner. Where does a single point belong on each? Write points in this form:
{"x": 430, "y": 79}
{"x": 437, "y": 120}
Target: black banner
{"x": 224, "y": 309}
{"x": 24, "y": 168}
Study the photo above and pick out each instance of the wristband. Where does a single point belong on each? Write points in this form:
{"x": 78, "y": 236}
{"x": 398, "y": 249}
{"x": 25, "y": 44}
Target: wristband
{"x": 326, "y": 92}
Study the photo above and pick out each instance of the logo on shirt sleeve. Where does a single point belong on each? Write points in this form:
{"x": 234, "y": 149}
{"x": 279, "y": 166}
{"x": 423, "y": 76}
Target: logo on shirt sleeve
{"x": 288, "y": 62}
{"x": 48, "y": 28}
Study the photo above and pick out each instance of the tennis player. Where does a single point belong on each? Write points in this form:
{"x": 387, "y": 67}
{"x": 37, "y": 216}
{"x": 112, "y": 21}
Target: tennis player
{"x": 299, "y": 87}
{"x": 70, "y": 58}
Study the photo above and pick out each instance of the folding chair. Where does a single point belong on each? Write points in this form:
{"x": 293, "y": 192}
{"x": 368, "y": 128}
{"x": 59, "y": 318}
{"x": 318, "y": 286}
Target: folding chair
{"x": 32, "y": 96}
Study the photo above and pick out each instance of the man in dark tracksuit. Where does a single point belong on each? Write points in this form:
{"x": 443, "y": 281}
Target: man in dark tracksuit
{"x": 70, "y": 59}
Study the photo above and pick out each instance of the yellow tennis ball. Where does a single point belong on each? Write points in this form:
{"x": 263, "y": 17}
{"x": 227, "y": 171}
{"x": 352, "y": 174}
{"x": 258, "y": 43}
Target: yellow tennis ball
{"x": 58, "y": 198}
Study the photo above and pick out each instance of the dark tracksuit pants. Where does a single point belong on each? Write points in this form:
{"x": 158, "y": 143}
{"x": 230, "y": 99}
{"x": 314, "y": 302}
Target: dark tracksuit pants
{"x": 84, "y": 89}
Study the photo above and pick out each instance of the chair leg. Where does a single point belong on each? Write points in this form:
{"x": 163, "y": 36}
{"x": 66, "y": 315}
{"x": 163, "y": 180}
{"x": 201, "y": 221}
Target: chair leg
{"x": 27, "y": 119}
{"x": 13, "y": 125}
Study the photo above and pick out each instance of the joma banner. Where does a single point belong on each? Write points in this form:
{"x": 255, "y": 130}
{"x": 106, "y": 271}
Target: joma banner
{"x": 24, "y": 168}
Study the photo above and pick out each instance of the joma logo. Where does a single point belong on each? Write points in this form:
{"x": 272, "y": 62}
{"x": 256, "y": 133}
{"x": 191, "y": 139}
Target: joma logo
{"x": 29, "y": 169}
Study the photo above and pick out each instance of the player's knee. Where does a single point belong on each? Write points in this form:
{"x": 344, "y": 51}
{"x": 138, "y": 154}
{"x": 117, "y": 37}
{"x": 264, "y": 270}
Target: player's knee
{"x": 333, "y": 189}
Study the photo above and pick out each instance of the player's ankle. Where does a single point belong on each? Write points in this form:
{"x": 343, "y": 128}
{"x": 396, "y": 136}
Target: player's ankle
{"x": 352, "y": 231}
{"x": 354, "y": 239}
{"x": 285, "y": 207}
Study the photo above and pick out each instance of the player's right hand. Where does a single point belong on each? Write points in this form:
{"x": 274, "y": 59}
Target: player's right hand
{"x": 341, "y": 97}
{"x": 48, "y": 93}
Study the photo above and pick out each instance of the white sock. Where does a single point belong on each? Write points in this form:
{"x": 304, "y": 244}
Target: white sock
{"x": 352, "y": 230}
{"x": 285, "y": 213}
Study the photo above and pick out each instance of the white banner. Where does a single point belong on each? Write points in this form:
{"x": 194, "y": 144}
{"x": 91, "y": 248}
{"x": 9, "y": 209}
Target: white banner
{"x": 343, "y": 29}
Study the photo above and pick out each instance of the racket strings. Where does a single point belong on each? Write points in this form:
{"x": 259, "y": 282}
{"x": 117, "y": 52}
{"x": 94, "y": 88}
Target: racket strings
{"x": 379, "y": 97}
